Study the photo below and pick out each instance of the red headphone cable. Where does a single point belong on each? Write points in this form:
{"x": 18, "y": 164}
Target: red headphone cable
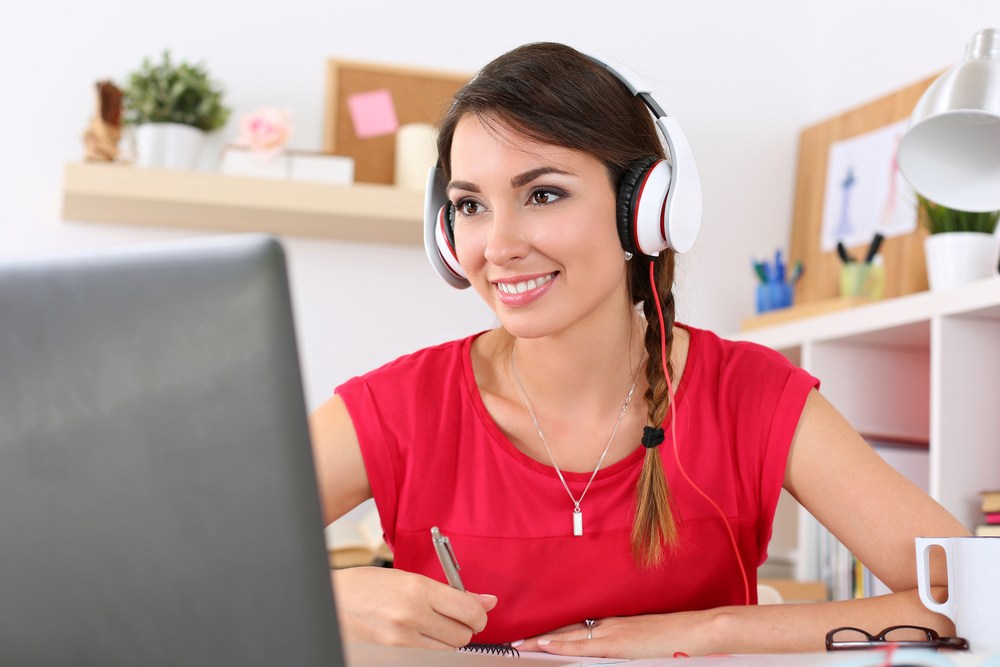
{"x": 673, "y": 436}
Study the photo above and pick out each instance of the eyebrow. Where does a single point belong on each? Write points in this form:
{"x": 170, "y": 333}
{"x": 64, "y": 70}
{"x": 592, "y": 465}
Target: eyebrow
{"x": 529, "y": 176}
{"x": 518, "y": 181}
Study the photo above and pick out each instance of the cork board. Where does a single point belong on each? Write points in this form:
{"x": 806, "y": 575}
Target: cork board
{"x": 903, "y": 255}
{"x": 418, "y": 96}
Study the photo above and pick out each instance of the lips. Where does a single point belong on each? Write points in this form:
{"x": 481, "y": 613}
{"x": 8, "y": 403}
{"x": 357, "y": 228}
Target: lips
{"x": 520, "y": 292}
{"x": 523, "y": 286}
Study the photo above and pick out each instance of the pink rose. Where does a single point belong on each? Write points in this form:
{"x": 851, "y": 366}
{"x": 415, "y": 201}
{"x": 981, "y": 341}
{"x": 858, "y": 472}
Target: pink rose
{"x": 265, "y": 131}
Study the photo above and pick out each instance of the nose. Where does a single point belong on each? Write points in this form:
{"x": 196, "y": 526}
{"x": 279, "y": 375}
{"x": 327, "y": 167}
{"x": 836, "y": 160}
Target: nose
{"x": 505, "y": 241}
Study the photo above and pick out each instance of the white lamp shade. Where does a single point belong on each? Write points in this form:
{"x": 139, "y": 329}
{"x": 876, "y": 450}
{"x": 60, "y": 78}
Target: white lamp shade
{"x": 951, "y": 152}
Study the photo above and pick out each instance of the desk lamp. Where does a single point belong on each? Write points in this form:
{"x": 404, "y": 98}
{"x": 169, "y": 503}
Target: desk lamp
{"x": 951, "y": 152}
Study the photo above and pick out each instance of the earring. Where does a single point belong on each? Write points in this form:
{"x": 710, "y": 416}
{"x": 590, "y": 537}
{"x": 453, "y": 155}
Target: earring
{"x": 628, "y": 255}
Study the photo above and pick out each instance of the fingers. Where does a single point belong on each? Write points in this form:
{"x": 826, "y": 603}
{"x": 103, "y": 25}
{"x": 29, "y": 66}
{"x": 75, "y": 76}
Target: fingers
{"x": 488, "y": 601}
{"x": 436, "y": 620}
{"x": 467, "y": 609}
{"x": 580, "y": 646}
{"x": 399, "y": 608}
{"x": 616, "y": 637}
{"x": 443, "y": 632}
{"x": 576, "y": 632}
{"x": 587, "y": 640}
{"x": 458, "y": 616}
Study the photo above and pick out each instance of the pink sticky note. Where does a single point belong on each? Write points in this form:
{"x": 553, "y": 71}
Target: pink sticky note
{"x": 373, "y": 113}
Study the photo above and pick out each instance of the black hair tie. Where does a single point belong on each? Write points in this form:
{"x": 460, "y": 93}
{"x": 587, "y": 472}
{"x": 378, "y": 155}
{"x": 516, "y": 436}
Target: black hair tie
{"x": 652, "y": 436}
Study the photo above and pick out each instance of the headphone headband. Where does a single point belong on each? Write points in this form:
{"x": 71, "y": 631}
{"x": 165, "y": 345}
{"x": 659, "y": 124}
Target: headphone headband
{"x": 683, "y": 205}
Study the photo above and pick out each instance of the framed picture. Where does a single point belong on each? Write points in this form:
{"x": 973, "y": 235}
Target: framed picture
{"x": 367, "y": 102}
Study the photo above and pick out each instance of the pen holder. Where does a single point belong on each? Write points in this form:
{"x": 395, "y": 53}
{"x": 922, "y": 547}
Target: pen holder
{"x": 862, "y": 279}
{"x": 771, "y": 296}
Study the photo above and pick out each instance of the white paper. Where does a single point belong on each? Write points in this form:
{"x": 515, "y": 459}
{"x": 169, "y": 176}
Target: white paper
{"x": 865, "y": 192}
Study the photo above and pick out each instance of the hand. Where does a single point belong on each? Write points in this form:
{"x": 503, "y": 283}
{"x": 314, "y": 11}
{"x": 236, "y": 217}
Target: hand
{"x": 398, "y": 608}
{"x": 652, "y": 635}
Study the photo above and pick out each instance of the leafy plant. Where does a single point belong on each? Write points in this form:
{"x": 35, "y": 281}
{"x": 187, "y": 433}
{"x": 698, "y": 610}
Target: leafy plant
{"x": 168, "y": 93}
{"x": 940, "y": 219}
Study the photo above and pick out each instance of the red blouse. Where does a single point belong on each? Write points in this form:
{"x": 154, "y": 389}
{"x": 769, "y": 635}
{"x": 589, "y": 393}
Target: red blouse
{"x": 434, "y": 456}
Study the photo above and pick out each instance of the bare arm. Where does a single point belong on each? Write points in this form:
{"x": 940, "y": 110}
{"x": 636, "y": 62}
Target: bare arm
{"x": 340, "y": 470}
{"x": 875, "y": 512}
{"x": 864, "y": 502}
{"x": 381, "y": 605}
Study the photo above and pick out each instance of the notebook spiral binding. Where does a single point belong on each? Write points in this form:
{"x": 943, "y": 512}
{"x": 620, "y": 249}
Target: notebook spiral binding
{"x": 494, "y": 649}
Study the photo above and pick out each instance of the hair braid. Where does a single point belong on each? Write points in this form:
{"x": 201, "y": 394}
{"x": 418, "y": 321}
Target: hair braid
{"x": 654, "y": 525}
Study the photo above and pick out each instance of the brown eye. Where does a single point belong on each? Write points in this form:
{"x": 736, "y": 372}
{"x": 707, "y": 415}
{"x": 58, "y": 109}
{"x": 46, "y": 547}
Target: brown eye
{"x": 542, "y": 197}
{"x": 468, "y": 207}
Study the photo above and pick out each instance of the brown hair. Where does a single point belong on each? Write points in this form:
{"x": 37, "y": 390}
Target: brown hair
{"x": 554, "y": 94}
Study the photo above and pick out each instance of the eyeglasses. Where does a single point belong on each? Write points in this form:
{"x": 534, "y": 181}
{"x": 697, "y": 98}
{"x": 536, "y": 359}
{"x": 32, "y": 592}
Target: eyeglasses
{"x": 903, "y": 636}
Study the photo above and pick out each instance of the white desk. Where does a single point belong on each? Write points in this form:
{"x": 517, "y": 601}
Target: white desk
{"x": 369, "y": 655}
{"x": 372, "y": 655}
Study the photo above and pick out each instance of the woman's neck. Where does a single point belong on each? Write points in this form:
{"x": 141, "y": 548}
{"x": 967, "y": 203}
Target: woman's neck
{"x": 582, "y": 368}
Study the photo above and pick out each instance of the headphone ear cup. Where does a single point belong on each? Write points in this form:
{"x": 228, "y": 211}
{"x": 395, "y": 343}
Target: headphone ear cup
{"x": 448, "y": 226}
{"x": 444, "y": 240}
{"x": 439, "y": 232}
{"x": 642, "y": 196}
{"x": 626, "y": 188}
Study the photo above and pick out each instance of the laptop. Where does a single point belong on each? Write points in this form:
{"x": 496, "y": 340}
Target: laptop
{"x": 158, "y": 503}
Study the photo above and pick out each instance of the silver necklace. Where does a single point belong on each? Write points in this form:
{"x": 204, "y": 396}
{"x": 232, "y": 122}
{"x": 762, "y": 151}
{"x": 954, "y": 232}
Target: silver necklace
{"x": 577, "y": 512}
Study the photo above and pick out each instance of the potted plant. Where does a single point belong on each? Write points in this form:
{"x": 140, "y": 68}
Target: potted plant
{"x": 172, "y": 106}
{"x": 962, "y": 245}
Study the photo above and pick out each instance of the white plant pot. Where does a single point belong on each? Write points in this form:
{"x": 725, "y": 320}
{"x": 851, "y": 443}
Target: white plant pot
{"x": 168, "y": 145}
{"x": 957, "y": 258}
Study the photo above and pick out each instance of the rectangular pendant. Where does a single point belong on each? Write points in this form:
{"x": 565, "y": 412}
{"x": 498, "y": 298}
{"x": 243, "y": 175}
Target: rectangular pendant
{"x": 577, "y": 523}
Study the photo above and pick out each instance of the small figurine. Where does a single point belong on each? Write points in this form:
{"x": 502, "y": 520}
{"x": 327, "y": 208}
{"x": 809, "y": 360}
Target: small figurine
{"x": 100, "y": 140}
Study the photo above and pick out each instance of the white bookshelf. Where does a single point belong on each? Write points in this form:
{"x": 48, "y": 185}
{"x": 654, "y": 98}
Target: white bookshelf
{"x": 923, "y": 368}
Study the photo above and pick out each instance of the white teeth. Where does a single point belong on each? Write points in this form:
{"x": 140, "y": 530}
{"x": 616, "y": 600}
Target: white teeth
{"x": 524, "y": 285}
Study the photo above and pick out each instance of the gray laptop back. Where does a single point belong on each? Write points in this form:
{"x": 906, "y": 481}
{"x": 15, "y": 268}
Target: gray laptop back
{"x": 158, "y": 503}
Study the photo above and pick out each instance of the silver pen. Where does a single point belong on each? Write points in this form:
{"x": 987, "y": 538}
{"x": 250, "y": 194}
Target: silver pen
{"x": 447, "y": 557}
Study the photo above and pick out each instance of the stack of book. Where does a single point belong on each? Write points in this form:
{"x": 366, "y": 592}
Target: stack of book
{"x": 990, "y": 527}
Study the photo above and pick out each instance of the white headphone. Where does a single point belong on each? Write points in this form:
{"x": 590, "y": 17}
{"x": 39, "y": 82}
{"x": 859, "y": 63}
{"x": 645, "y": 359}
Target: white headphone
{"x": 659, "y": 201}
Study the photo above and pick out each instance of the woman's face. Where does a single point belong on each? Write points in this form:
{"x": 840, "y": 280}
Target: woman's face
{"x": 535, "y": 230}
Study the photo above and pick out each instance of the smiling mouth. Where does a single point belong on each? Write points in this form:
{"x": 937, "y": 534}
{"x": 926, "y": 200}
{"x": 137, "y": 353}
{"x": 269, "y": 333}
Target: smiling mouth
{"x": 524, "y": 285}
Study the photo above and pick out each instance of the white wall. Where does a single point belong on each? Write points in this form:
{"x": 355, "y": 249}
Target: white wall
{"x": 742, "y": 78}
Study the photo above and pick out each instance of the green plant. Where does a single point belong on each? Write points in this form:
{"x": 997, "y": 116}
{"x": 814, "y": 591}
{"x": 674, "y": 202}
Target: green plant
{"x": 168, "y": 93}
{"x": 940, "y": 219}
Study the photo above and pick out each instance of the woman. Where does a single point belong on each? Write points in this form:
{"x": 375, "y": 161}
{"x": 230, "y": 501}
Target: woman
{"x": 576, "y": 485}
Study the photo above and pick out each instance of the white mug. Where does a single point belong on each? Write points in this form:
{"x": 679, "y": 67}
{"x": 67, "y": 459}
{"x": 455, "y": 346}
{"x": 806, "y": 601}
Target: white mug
{"x": 973, "y": 604}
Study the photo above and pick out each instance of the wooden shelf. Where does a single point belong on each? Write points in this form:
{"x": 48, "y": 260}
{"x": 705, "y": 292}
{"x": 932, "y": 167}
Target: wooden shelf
{"x": 203, "y": 200}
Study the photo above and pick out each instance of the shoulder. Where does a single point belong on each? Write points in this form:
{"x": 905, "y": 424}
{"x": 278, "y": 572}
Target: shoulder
{"x": 738, "y": 357}
{"x": 747, "y": 379}
{"x": 407, "y": 395}
{"x": 425, "y": 366}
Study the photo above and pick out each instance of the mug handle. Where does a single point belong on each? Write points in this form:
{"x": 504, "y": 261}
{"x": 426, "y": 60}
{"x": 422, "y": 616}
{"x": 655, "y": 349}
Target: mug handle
{"x": 924, "y": 545}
